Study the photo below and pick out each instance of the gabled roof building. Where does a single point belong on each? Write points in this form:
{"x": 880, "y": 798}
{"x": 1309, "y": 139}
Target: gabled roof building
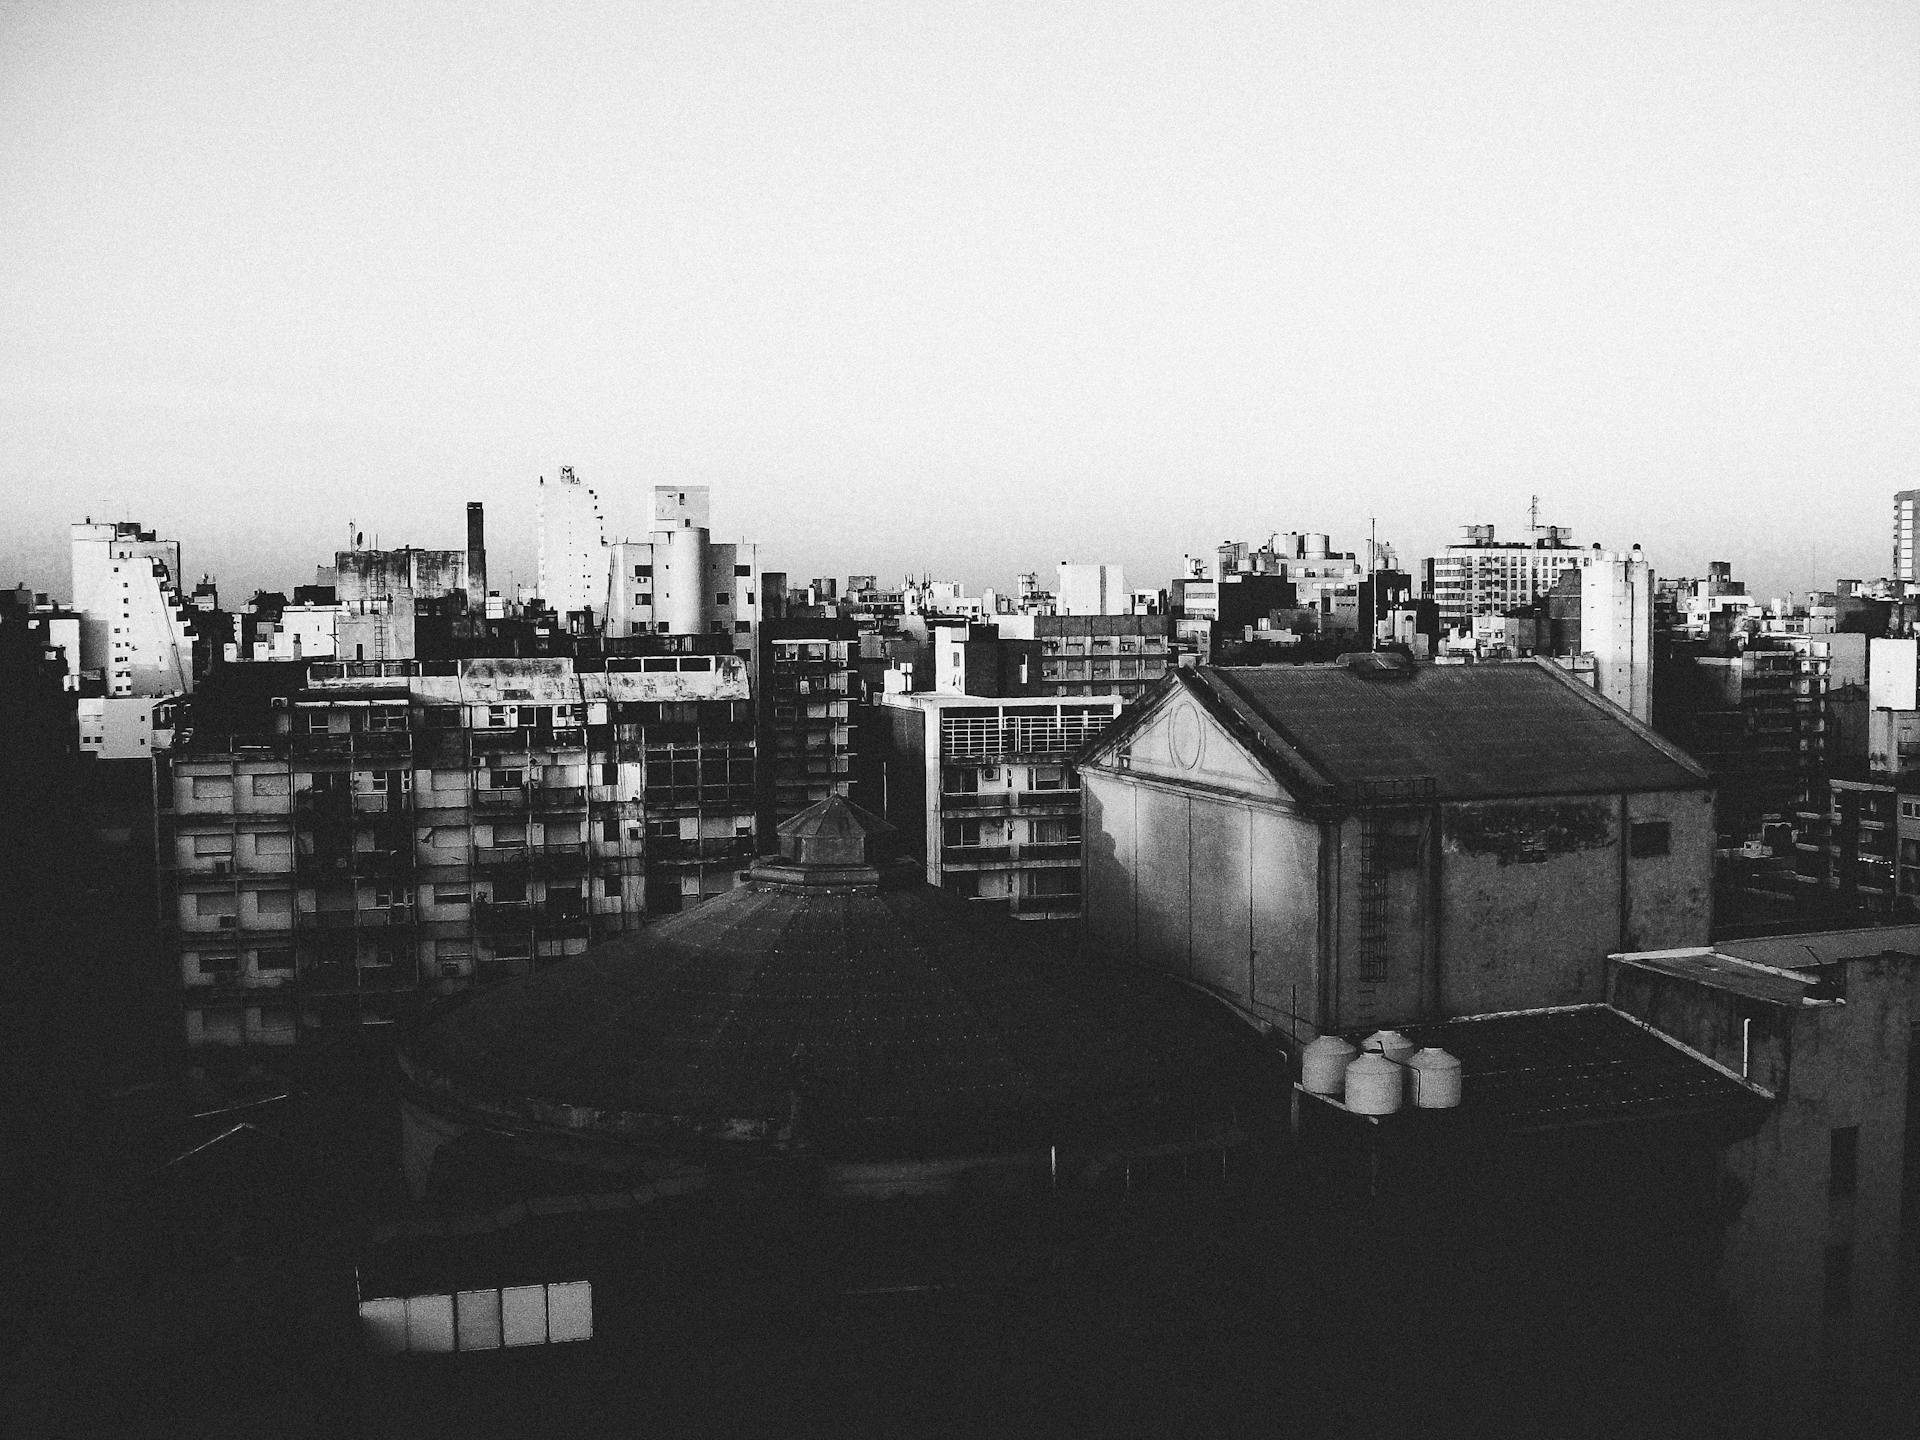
{"x": 1372, "y": 842}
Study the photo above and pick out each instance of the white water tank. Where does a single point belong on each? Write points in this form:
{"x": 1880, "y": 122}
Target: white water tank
{"x": 1375, "y": 1085}
{"x": 1390, "y": 1043}
{"x": 1323, "y": 1065}
{"x": 1436, "y": 1079}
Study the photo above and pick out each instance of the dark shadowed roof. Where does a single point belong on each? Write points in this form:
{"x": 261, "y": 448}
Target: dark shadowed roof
{"x": 839, "y": 1004}
{"x": 1590, "y": 1065}
{"x": 1357, "y": 731}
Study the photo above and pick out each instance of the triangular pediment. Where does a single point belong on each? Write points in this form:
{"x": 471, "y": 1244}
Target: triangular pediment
{"x": 1178, "y": 739}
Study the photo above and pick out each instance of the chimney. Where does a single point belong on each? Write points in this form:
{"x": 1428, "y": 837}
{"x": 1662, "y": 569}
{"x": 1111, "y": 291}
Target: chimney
{"x": 476, "y": 555}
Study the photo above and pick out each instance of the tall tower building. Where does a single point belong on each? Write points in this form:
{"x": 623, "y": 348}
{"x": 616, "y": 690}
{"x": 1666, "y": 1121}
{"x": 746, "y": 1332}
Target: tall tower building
{"x": 1905, "y": 502}
{"x": 573, "y": 547}
{"x": 678, "y": 581}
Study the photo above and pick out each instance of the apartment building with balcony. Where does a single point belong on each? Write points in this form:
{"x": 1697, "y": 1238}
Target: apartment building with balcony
{"x": 1120, "y": 655}
{"x": 806, "y": 707}
{"x": 341, "y": 841}
{"x": 985, "y": 791}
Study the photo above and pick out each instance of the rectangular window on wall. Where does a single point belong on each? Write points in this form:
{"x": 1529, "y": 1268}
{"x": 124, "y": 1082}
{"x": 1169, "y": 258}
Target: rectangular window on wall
{"x": 212, "y": 787}
{"x": 271, "y": 784}
{"x": 1649, "y": 838}
{"x": 213, "y": 844}
{"x": 270, "y": 843}
{"x": 274, "y": 902}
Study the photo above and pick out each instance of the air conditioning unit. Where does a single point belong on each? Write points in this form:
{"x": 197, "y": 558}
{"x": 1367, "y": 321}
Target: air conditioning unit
{"x": 990, "y": 772}
{"x": 227, "y": 922}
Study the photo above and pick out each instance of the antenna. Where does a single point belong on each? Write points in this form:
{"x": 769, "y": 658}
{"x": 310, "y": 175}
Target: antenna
{"x": 1533, "y": 514}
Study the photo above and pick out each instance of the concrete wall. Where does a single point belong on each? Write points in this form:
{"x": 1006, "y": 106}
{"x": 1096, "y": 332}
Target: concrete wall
{"x": 1848, "y": 1066}
{"x": 1220, "y": 891}
{"x": 1530, "y": 896}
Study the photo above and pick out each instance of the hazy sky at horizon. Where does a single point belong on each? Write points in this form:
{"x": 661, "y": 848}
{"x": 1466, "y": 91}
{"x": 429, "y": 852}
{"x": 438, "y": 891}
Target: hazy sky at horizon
{"x": 966, "y": 289}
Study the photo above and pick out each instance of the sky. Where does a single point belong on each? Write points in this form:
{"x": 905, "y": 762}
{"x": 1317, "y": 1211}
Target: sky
{"x": 961, "y": 289}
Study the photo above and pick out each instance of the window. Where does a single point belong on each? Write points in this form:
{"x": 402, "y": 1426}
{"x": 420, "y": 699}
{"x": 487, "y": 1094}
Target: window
{"x": 271, "y": 784}
{"x": 279, "y": 958}
{"x": 1843, "y": 1160}
{"x": 1649, "y": 838}
{"x": 317, "y": 722}
{"x": 387, "y": 721}
{"x": 643, "y": 572}
{"x": 219, "y": 964}
{"x": 742, "y": 571}
{"x": 451, "y": 895}
{"x": 212, "y": 787}
{"x": 213, "y": 844}
{"x": 273, "y": 902}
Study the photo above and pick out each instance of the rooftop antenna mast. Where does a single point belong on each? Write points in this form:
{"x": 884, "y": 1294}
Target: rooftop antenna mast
{"x": 1533, "y": 515}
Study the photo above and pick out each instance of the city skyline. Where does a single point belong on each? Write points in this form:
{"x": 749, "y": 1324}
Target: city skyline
{"x": 963, "y": 292}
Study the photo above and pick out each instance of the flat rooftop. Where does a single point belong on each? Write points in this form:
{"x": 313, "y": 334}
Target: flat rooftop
{"x": 1769, "y": 984}
{"x": 1541, "y": 1070}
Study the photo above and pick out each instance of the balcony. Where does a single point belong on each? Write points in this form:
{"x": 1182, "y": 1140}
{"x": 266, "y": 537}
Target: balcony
{"x": 560, "y": 797}
{"x": 502, "y": 916}
{"x": 500, "y": 857}
{"x": 391, "y": 745}
{"x": 386, "y": 917}
{"x": 985, "y": 800}
{"x": 326, "y": 919}
{"x": 1051, "y": 850}
{"x": 970, "y": 856}
{"x": 1049, "y": 799}
{"x": 501, "y": 797}
{"x": 494, "y": 741}
{"x": 326, "y": 864}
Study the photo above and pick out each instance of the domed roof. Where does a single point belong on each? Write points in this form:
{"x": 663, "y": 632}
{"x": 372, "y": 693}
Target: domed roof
{"x": 832, "y": 1000}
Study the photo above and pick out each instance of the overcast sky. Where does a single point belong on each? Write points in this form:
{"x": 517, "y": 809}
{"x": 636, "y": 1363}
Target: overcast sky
{"x": 961, "y": 288}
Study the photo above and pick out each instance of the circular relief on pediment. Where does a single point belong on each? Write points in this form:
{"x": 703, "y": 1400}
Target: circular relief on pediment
{"x": 1185, "y": 736}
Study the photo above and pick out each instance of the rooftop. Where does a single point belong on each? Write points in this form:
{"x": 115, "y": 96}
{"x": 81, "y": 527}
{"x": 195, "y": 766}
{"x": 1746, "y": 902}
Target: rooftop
{"x": 1468, "y": 731}
{"x": 1768, "y": 984}
{"x": 1588, "y": 1065}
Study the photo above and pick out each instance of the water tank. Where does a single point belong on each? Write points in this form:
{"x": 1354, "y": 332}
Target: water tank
{"x": 1323, "y": 1065}
{"x": 1390, "y": 1043}
{"x": 1375, "y": 1085}
{"x": 1436, "y": 1079}
{"x": 1318, "y": 546}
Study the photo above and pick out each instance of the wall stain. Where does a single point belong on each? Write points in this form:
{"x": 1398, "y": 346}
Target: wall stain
{"x": 1522, "y": 834}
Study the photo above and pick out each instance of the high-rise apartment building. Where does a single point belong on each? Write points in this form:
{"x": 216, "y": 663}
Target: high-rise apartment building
{"x": 136, "y": 644}
{"x": 573, "y": 547}
{"x": 678, "y": 581}
{"x": 1905, "y": 502}
{"x": 1479, "y": 575}
{"x": 341, "y": 841}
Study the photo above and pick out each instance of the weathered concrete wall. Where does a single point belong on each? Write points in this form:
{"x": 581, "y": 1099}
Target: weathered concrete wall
{"x": 1530, "y": 902}
{"x": 1390, "y": 980}
{"x": 1216, "y": 890}
{"x": 1669, "y": 898}
{"x": 1750, "y": 1037}
{"x": 1848, "y": 1067}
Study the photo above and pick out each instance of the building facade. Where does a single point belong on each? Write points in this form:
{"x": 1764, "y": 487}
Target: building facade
{"x": 361, "y": 836}
{"x": 1479, "y": 575}
{"x": 678, "y": 581}
{"x": 808, "y": 701}
{"x": 1341, "y": 846}
{"x": 985, "y": 791}
{"x": 573, "y": 547}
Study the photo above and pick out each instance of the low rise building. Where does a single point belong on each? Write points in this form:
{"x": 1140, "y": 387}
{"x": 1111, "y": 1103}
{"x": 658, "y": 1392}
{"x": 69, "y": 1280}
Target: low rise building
{"x": 1363, "y": 843}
